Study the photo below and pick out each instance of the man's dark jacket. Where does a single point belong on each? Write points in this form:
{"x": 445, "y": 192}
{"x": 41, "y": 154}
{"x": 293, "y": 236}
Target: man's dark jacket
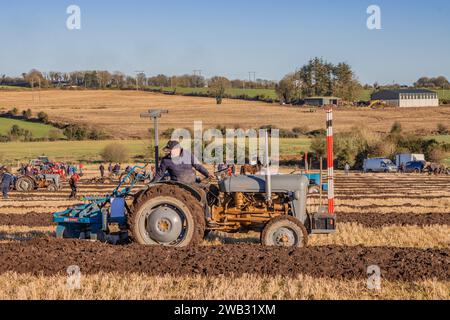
{"x": 180, "y": 169}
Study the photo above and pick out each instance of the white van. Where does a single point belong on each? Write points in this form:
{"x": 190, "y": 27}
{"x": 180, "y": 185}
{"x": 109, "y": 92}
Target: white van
{"x": 379, "y": 165}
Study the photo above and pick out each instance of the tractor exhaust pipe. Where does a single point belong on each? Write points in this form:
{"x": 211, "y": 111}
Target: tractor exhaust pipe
{"x": 267, "y": 171}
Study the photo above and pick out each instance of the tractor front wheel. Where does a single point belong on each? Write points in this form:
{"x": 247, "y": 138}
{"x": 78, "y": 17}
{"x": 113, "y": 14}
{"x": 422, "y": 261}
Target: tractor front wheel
{"x": 52, "y": 187}
{"x": 284, "y": 231}
{"x": 166, "y": 215}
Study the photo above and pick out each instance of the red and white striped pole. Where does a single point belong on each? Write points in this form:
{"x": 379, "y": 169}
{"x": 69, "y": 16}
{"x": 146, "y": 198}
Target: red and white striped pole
{"x": 330, "y": 161}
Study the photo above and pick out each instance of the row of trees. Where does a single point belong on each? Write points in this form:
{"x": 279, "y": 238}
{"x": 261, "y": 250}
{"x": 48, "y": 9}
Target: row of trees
{"x": 319, "y": 78}
{"x": 316, "y": 78}
{"x": 118, "y": 80}
{"x": 436, "y": 83}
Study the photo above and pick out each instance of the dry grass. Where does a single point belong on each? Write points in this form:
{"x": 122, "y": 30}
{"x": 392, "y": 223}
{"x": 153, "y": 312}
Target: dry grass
{"x": 352, "y": 234}
{"x": 143, "y": 287}
{"x": 390, "y": 205}
{"x": 108, "y": 109}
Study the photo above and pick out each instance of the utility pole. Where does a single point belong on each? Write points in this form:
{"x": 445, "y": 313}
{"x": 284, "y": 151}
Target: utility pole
{"x": 155, "y": 115}
{"x": 39, "y": 90}
{"x": 250, "y": 73}
{"x": 199, "y": 74}
{"x": 137, "y": 78}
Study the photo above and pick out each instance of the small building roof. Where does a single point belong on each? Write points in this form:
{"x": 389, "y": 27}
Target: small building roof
{"x": 395, "y": 93}
{"x": 324, "y": 97}
{"x": 412, "y": 91}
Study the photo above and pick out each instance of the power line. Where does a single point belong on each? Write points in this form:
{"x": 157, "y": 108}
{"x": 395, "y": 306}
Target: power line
{"x": 197, "y": 73}
{"x": 137, "y": 78}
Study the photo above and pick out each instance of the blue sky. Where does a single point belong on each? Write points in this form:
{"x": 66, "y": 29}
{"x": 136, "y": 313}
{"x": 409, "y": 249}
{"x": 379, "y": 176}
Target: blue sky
{"x": 227, "y": 37}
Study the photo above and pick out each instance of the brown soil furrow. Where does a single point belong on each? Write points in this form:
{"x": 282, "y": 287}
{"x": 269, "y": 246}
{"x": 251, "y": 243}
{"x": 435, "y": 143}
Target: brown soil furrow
{"x": 49, "y": 257}
{"x": 367, "y": 219}
{"x": 384, "y": 197}
{"x": 379, "y": 220}
{"x": 32, "y": 219}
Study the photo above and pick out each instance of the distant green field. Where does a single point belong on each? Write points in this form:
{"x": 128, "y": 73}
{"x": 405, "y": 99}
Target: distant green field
{"x": 443, "y": 94}
{"x": 38, "y": 130}
{"x": 88, "y": 151}
{"x": 13, "y": 88}
{"x": 445, "y": 139}
{"x": 365, "y": 95}
{"x": 234, "y": 92}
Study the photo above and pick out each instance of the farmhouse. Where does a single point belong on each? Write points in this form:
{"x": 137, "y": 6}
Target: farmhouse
{"x": 405, "y": 98}
{"x": 321, "y": 101}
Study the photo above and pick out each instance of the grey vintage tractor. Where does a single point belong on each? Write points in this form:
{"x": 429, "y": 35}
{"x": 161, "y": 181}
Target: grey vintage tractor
{"x": 174, "y": 214}
{"x": 170, "y": 213}
{"x": 28, "y": 183}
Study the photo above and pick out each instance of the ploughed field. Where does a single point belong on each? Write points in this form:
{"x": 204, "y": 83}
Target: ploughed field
{"x": 400, "y": 223}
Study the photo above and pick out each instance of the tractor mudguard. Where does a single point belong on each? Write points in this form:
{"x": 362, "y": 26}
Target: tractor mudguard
{"x": 196, "y": 191}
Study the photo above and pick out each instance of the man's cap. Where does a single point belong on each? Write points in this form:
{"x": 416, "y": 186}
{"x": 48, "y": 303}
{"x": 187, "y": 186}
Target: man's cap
{"x": 172, "y": 145}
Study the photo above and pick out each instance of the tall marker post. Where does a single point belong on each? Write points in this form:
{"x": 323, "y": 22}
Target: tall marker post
{"x": 155, "y": 115}
{"x": 330, "y": 160}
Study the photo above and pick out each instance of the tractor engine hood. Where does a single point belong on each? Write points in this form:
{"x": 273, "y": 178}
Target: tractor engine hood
{"x": 257, "y": 184}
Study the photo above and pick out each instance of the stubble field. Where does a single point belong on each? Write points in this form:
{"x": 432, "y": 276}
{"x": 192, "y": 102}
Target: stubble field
{"x": 117, "y": 112}
{"x": 400, "y": 223}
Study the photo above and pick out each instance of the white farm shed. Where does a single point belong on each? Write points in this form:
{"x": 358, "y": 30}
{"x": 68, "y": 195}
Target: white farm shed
{"x": 408, "y": 98}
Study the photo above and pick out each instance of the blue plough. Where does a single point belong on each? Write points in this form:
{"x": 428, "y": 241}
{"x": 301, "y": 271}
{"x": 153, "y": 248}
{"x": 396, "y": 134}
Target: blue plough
{"x": 92, "y": 220}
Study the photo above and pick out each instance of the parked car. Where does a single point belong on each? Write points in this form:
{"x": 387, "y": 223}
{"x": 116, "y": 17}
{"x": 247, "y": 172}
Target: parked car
{"x": 379, "y": 165}
{"x": 408, "y": 157}
{"x": 415, "y": 166}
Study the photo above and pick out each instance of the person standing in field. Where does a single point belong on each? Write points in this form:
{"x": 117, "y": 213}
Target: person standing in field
{"x": 110, "y": 168}
{"x": 347, "y": 169}
{"x": 102, "y": 170}
{"x": 73, "y": 182}
{"x": 6, "y": 182}
{"x": 402, "y": 168}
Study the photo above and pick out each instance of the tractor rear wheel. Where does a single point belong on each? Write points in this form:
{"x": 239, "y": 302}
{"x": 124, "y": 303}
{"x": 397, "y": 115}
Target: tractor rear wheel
{"x": 166, "y": 215}
{"x": 284, "y": 231}
{"x": 24, "y": 184}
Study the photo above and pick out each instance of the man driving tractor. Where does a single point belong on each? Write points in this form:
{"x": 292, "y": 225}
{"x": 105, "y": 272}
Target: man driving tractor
{"x": 179, "y": 164}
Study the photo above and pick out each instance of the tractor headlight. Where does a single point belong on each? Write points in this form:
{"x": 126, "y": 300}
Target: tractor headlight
{"x": 313, "y": 190}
